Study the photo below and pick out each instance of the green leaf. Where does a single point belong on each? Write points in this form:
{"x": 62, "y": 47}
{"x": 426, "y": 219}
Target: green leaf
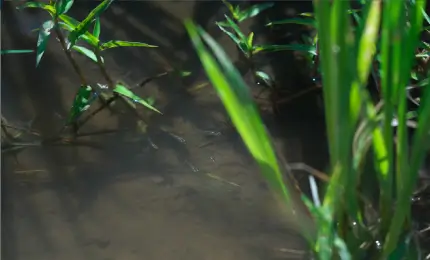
{"x": 85, "y": 24}
{"x": 424, "y": 82}
{"x": 426, "y": 16}
{"x": 233, "y": 37}
{"x": 229, "y": 6}
{"x": 15, "y": 51}
{"x": 96, "y": 30}
{"x": 288, "y": 47}
{"x": 265, "y": 78}
{"x": 70, "y": 25}
{"x": 47, "y": 7}
{"x": 63, "y": 6}
{"x": 184, "y": 73}
{"x": 83, "y": 99}
{"x": 250, "y": 40}
{"x": 253, "y": 11}
{"x": 89, "y": 53}
{"x": 123, "y": 90}
{"x": 114, "y": 44}
{"x": 42, "y": 41}
{"x": 236, "y": 29}
{"x": 302, "y": 21}
{"x": 240, "y": 106}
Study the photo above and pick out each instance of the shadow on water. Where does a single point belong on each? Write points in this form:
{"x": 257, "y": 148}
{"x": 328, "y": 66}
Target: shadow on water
{"x": 201, "y": 199}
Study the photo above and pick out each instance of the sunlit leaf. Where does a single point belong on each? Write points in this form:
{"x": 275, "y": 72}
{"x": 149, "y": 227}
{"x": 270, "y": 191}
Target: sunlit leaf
{"x": 83, "y": 99}
{"x": 184, "y": 73}
{"x": 63, "y": 6}
{"x": 42, "y": 41}
{"x": 89, "y": 53}
{"x": 85, "y": 24}
{"x": 250, "y": 40}
{"x": 70, "y": 25}
{"x": 240, "y": 106}
{"x": 253, "y": 11}
{"x": 96, "y": 31}
{"x": 114, "y": 44}
{"x": 15, "y": 51}
{"x": 123, "y": 90}
{"x": 265, "y": 79}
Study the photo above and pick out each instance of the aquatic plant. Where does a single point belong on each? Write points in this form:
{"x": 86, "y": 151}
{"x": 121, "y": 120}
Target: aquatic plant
{"x": 349, "y": 223}
{"x": 73, "y": 36}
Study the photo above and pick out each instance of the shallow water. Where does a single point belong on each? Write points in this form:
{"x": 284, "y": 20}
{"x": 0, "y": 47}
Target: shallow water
{"x": 198, "y": 196}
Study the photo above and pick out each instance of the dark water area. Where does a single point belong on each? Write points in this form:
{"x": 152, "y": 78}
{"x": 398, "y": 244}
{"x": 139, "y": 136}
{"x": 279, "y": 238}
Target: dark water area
{"x": 198, "y": 196}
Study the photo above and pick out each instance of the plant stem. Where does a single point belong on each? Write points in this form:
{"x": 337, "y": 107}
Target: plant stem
{"x": 69, "y": 54}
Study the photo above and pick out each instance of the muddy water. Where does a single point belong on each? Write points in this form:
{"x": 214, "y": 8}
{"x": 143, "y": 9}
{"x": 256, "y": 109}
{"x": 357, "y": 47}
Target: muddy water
{"x": 198, "y": 196}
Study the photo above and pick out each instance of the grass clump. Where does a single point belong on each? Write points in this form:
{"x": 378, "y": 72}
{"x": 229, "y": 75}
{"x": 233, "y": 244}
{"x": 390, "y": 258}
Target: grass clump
{"x": 349, "y": 224}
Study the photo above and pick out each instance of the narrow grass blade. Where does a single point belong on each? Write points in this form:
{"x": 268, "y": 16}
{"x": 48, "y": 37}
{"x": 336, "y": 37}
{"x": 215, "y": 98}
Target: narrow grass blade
{"x": 115, "y": 44}
{"x": 84, "y": 25}
{"x": 123, "y": 90}
{"x": 240, "y": 106}
{"x": 15, "y": 51}
{"x": 242, "y": 45}
{"x": 96, "y": 31}
{"x": 302, "y": 21}
{"x": 287, "y": 47}
{"x": 400, "y": 47}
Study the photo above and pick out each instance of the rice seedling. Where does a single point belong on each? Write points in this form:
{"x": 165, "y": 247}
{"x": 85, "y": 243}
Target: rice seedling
{"x": 349, "y": 224}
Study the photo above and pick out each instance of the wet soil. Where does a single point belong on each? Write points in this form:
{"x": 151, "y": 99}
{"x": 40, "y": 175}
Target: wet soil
{"x": 122, "y": 199}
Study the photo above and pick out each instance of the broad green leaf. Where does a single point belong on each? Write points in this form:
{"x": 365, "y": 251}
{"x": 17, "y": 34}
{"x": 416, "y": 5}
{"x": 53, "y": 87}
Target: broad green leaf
{"x": 288, "y": 47}
{"x": 63, "y": 6}
{"x": 253, "y": 11}
{"x": 83, "y": 99}
{"x": 123, "y": 90}
{"x": 15, "y": 51}
{"x": 302, "y": 21}
{"x": 85, "y": 24}
{"x": 96, "y": 30}
{"x": 47, "y": 7}
{"x": 42, "y": 41}
{"x": 114, "y": 44}
{"x": 89, "y": 53}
